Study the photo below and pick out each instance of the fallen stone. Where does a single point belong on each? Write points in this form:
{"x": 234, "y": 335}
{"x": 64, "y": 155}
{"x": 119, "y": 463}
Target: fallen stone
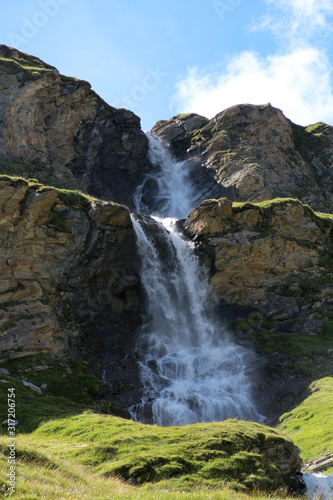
{"x": 32, "y": 386}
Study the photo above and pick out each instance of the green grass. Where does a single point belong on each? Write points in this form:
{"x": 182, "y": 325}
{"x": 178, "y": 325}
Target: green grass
{"x": 17, "y": 167}
{"x": 69, "y": 389}
{"x": 227, "y": 452}
{"x": 13, "y": 179}
{"x": 311, "y": 423}
{"x": 74, "y": 198}
{"x": 292, "y": 345}
{"x": 40, "y": 478}
{"x": 70, "y": 197}
{"x": 30, "y": 66}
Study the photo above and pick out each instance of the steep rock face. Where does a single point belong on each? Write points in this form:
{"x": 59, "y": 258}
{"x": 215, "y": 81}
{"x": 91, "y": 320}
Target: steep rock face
{"x": 256, "y": 252}
{"x": 272, "y": 263}
{"x": 254, "y": 153}
{"x": 68, "y": 279}
{"x": 57, "y": 129}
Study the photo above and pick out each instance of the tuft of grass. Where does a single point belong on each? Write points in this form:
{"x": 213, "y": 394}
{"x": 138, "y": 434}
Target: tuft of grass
{"x": 17, "y": 167}
{"x": 310, "y": 423}
{"x": 73, "y": 198}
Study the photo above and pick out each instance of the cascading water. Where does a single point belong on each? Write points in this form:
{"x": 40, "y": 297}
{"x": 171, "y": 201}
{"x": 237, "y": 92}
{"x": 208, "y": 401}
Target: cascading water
{"x": 318, "y": 486}
{"x": 190, "y": 369}
{"x": 176, "y": 195}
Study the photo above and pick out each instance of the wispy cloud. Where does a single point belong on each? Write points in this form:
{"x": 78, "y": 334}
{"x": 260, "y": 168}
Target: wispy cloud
{"x": 296, "y": 79}
{"x": 297, "y": 21}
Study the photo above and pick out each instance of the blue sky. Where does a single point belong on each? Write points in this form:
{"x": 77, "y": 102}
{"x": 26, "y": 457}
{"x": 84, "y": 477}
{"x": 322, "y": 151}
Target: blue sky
{"x": 159, "y": 58}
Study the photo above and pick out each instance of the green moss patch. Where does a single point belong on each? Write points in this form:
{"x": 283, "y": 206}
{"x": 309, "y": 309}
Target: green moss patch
{"x": 265, "y": 207}
{"x": 70, "y": 197}
{"x": 292, "y": 345}
{"x": 17, "y": 167}
{"x": 69, "y": 389}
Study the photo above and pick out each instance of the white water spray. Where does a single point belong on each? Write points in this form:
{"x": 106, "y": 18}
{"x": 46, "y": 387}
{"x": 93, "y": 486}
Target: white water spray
{"x": 190, "y": 369}
{"x": 318, "y": 486}
{"x": 176, "y": 195}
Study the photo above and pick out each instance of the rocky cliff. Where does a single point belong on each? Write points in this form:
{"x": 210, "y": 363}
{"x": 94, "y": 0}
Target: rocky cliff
{"x": 69, "y": 278}
{"x": 69, "y": 270}
{"x": 55, "y": 128}
{"x": 272, "y": 263}
{"x": 254, "y": 153}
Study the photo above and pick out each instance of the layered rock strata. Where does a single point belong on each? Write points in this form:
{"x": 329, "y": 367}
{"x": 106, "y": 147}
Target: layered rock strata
{"x": 69, "y": 279}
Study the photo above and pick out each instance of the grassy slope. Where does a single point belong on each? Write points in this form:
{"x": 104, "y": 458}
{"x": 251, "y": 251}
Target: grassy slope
{"x": 69, "y": 389}
{"x": 40, "y": 479}
{"x": 311, "y": 423}
{"x": 87, "y": 456}
{"x": 73, "y": 455}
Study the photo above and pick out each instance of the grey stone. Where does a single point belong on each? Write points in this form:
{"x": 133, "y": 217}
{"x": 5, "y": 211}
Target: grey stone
{"x": 32, "y": 386}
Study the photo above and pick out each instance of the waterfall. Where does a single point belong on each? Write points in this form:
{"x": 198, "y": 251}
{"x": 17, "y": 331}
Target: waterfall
{"x": 175, "y": 195}
{"x": 318, "y": 486}
{"x": 190, "y": 368}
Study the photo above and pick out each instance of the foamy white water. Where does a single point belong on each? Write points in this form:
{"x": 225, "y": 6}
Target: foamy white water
{"x": 190, "y": 369}
{"x": 318, "y": 486}
{"x": 175, "y": 194}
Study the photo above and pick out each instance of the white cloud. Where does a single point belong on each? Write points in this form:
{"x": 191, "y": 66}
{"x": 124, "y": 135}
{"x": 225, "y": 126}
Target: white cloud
{"x": 296, "y": 21}
{"x": 296, "y": 79}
